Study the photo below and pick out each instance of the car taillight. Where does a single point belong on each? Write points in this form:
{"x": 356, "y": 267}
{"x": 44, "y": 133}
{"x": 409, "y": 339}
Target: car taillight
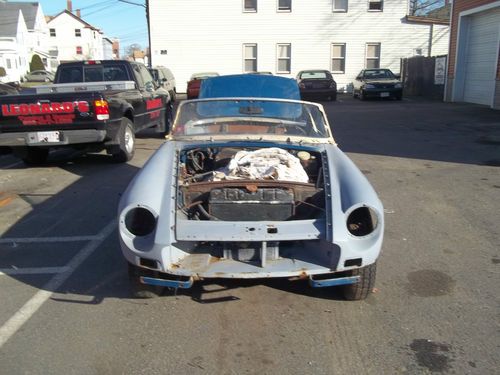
{"x": 302, "y": 85}
{"x": 101, "y": 109}
{"x": 333, "y": 85}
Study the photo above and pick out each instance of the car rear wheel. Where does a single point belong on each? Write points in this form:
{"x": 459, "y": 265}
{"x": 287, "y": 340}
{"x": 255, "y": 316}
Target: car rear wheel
{"x": 127, "y": 142}
{"x": 138, "y": 289}
{"x": 361, "y": 290}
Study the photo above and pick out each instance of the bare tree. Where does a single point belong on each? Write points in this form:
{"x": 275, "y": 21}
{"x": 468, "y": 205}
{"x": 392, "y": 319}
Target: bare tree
{"x": 421, "y": 7}
{"x": 129, "y": 51}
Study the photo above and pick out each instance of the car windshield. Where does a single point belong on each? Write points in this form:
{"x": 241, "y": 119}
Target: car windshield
{"x": 223, "y": 117}
{"x": 378, "y": 73}
{"x": 314, "y": 75}
{"x": 204, "y": 75}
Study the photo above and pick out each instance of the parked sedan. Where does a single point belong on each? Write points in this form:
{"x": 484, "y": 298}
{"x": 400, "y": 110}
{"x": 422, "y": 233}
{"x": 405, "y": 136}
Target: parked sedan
{"x": 194, "y": 83}
{"x": 39, "y": 76}
{"x": 6, "y": 89}
{"x": 317, "y": 84}
{"x": 377, "y": 83}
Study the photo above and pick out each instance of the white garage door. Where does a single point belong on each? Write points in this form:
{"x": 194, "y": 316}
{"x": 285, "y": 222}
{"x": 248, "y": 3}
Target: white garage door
{"x": 481, "y": 57}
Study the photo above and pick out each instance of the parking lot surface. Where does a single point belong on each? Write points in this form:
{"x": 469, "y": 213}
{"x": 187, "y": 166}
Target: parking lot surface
{"x": 66, "y": 308}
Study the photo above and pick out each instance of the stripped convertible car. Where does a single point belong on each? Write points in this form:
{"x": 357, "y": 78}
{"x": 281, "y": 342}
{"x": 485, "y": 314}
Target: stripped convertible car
{"x": 251, "y": 188}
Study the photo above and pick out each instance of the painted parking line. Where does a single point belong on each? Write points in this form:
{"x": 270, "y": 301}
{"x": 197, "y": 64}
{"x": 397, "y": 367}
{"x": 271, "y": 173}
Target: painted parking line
{"x": 31, "y": 271}
{"x": 50, "y": 239}
{"x": 31, "y": 307}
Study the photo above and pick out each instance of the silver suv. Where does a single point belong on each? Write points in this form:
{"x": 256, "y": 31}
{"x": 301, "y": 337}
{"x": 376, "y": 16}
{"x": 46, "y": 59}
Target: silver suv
{"x": 164, "y": 77}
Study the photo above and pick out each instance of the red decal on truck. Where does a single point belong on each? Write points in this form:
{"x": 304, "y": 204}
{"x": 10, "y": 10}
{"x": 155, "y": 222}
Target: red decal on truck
{"x": 24, "y": 109}
{"x": 154, "y": 114}
{"x": 153, "y": 104}
{"x": 47, "y": 119}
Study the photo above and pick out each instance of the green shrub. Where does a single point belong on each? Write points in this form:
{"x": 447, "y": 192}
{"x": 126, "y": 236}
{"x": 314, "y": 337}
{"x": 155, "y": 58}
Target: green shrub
{"x": 36, "y": 63}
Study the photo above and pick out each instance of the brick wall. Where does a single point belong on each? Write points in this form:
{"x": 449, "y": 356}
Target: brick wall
{"x": 460, "y": 6}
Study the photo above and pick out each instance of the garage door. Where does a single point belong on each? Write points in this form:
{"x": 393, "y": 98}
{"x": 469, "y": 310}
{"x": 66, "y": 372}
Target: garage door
{"x": 481, "y": 57}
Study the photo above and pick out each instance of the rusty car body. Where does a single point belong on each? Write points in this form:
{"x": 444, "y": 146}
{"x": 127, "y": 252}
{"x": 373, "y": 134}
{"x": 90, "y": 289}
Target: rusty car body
{"x": 251, "y": 188}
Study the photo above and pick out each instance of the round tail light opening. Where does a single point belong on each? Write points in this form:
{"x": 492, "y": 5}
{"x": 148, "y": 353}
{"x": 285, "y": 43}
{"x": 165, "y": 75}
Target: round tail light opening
{"x": 362, "y": 221}
{"x": 140, "y": 221}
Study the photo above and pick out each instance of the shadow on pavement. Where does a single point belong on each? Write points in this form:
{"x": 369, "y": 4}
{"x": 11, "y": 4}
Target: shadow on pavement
{"x": 417, "y": 129}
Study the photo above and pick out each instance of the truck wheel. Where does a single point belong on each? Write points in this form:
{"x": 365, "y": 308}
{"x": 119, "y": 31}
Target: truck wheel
{"x": 166, "y": 125}
{"x": 127, "y": 142}
{"x": 34, "y": 155}
{"x": 361, "y": 290}
{"x": 139, "y": 290}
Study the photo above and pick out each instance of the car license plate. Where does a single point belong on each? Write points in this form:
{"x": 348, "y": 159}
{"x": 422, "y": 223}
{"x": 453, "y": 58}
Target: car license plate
{"x": 44, "y": 137}
{"x": 384, "y": 94}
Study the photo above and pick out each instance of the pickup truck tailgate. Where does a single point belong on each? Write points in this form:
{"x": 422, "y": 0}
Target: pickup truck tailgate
{"x": 62, "y": 111}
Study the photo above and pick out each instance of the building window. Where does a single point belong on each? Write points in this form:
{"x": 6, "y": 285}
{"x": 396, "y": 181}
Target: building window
{"x": 78, "y": 32}
{"x": 284, "y": 5}
{"x": 375, "y": 5}
{"x": 340, "y": 5}
{"x": 417, "y": 51}
{"x": 79, "y": 50}
{"x": 9, "y": 64}
{"x": 250, "y": 5}
{"x": 284, "y": 58}
{"x": 372, "y": 55}
{"x": 338, "y": 58}
{"x": 249, "y": 58}
{"x": 52, "y": 32}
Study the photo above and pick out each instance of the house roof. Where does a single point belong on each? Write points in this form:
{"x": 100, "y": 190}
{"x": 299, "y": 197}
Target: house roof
{"x": 9, "y": 13}
{"x": 65, "y": 11}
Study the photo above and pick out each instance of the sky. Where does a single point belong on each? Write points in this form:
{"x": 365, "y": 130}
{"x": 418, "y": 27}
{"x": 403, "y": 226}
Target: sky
{"x": 116, "y": 19}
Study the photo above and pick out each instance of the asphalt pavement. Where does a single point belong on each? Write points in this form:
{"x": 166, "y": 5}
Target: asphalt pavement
{"x": 66, "y": 308}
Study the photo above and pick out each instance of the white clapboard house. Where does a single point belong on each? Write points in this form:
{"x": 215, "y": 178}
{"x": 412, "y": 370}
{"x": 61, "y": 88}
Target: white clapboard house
{"x": 286, "y": 36}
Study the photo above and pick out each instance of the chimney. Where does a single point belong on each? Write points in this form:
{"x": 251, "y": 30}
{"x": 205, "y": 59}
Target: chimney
{"x": 78, "y": 14}
{"x": 69, "y": 6}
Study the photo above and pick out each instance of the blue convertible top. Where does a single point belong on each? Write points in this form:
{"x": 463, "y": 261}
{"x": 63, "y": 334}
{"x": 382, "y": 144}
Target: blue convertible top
{"x": 249, "y": 86}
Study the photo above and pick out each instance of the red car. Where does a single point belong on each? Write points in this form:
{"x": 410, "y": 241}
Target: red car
{"x": 194, "y": 83}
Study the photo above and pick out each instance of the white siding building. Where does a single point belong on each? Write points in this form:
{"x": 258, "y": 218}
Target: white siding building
{"x": 74, "y": 38}
{"x": 286, "y": 36}
{"x": 23, "y": 33}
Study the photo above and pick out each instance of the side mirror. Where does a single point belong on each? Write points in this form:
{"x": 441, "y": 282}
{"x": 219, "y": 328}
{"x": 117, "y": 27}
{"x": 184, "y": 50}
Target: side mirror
{"x": 149, "y": 86}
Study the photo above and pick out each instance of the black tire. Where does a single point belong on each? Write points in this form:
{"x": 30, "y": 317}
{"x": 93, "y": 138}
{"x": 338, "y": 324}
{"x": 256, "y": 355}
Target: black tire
{"x": 139, "y": 290}
{"x": 34, "y": 155}
{"x": 362, "y": 95}
{"x": 399, "y": 97}
{"x": 354, "y": 95}
{"x": 127, "y": 142}
{"x": 166, "y": 125}
{"x": 333, "y": 98}
{"x": 361, "y": 290}
{"x": 173, "y": 95}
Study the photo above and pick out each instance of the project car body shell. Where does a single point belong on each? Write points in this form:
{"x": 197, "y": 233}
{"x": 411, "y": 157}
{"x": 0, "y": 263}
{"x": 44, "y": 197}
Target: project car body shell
{"x": 313, "y": 246}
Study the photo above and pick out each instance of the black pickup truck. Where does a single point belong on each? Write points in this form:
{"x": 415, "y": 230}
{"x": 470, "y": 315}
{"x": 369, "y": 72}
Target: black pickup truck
{"x": 92, "y": 106}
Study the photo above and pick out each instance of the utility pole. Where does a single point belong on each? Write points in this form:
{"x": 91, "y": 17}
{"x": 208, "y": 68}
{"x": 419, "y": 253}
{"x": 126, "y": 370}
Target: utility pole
{"x": 146, "y": 7}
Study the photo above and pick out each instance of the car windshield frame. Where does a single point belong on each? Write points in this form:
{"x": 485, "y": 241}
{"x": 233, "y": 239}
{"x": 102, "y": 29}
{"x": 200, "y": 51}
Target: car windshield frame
{"x": 311, "y": 73}
{"x": 388, "y": 74}
{"x": 251, "y": 118}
